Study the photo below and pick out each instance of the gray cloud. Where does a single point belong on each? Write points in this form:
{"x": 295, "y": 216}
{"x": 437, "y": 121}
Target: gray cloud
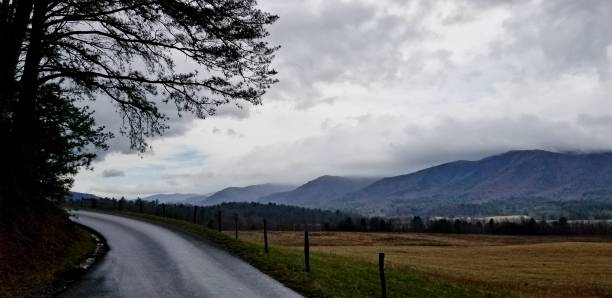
{"x": 338, "y": 41}
{"x": 594, "y": 120}
{"x": 109, "y": 173}
{"x": 234, "y": 111}
{"x": 365, "y": 44}
{"x": 107, "y": 115}
{"x": 562, "y": 36}
{"x": 392, "y": 150}
{"x": 454, "y": 139}
{"x": 306, "y": 104}
{"x": 229, "y": 132}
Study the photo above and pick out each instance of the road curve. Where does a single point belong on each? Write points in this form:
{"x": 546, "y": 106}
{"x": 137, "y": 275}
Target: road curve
{"x": 147, "y": 260}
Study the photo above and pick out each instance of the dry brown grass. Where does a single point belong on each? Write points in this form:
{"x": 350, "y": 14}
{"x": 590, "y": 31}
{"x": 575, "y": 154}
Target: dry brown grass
{"x": 550, "y": 266}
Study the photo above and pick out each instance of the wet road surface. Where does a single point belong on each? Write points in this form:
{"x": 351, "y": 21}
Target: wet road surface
{"x": 147, "y": 260}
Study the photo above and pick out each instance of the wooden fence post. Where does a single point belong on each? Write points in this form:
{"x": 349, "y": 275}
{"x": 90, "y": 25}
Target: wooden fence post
{"x": 381, "y": 269}
{"x": 195, "y": 214}
{"x": 219, "y": 216}
{"x": 306, "y": 250}
{"x": 236, "y": 224}
{"x": 265, "y": 236}
{"x": 164, "y": 210}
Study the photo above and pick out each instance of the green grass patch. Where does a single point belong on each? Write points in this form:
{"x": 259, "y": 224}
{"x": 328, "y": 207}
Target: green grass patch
{"x": 330, "y": 276}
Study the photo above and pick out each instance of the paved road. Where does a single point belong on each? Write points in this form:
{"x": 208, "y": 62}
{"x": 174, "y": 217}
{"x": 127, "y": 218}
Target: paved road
{"x": 146, "y": 260}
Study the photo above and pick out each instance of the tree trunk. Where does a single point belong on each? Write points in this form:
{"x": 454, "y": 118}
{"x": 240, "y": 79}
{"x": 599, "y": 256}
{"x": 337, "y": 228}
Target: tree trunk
{"x": 21, "y": 189}
{"x": 15, "y": 21}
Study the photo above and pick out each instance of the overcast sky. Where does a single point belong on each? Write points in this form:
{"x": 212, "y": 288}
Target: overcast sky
{"x": 380, "y": 88}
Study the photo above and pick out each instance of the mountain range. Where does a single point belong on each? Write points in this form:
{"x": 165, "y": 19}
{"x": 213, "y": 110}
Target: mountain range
{"x": 515, "y": 182}
{"x": 505, "y": 183}
{"x": 251, "y": 193}
{"x": 170, "y": 198}
{"x": 80, "y": 195}
{"x": 323, "y": 192}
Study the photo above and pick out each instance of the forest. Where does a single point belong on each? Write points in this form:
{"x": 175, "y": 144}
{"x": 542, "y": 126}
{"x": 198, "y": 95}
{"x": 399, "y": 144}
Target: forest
{"x": 251, "y": 216}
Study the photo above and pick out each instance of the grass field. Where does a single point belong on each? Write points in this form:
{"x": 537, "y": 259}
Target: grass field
{"x": 331, "y": 275}
{"x": 425, "y": 265}
{"x": 551, "y": 266}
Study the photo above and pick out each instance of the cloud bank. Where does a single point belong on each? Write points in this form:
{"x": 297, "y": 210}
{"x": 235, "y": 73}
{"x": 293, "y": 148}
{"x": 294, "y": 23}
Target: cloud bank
{"x": 381, "y": 88}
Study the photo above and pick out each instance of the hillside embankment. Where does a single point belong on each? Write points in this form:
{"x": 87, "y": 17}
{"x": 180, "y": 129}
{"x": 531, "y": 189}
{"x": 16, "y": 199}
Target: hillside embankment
{"x": 40, "y": 252}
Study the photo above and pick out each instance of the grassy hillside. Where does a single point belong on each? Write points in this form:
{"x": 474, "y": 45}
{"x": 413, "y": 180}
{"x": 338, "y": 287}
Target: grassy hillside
{"x": 35, "y": 256}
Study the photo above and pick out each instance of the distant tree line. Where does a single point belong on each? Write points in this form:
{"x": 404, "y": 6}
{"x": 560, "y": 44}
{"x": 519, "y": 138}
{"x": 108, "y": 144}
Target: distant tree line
{"x": 250, "y": 216}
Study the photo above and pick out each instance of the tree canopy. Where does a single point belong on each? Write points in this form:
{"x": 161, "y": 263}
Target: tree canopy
{"x": 66, "y": 51}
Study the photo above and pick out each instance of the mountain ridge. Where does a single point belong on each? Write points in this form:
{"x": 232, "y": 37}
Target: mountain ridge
{"x": 514, "y": 174}
{"x": 319, "y": 192}
{"x": 170, "y": 197}
{"x": 513, "y": 182}
{"x": 250, "y": 193}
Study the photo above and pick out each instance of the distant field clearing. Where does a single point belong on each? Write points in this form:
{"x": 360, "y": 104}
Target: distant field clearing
{"x": 521, "y": 265}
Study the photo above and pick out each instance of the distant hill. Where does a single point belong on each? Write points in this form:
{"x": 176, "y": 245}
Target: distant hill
{"x": 250, "y": 193}
{"x": 196, "y": 200}
{"x": 513, "y": 182}
{"x": 80, "y": 195}
{"x": 321, "y": 192}
{"x": 170, "y": 198}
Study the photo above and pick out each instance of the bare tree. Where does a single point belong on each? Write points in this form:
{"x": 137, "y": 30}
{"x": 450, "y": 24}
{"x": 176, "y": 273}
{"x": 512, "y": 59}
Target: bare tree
{"x": 125, "y": 51}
